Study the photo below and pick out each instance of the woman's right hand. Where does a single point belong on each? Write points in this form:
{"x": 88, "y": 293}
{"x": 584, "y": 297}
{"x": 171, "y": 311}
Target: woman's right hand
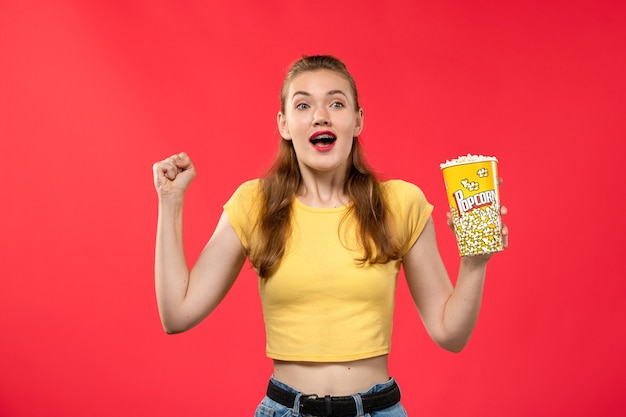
{"x": 173, "y": 175}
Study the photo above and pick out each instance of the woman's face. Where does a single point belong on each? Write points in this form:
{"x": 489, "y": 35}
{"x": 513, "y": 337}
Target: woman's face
{"x": 321, "y": 120}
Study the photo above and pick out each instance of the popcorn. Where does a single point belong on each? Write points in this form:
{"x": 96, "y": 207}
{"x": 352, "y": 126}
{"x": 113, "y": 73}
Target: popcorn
{"x": 478, "y": 231}
{"x": 470, "y": 186}
{"x": 473, "y": 195}
{"x": 482, "y": 173}
{"x": 467, "y": 159}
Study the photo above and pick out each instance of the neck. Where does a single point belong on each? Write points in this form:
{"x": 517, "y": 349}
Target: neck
{"x": 322, "y": 189}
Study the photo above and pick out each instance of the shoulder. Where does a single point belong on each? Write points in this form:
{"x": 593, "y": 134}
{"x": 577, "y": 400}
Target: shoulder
{"x": 242, "y": 209}
{"x": 400, "y": 191}
{"x": 406, "y": 202}
{"x": 250, "y": 186}
{"x": 248, "y": 190}
{"x": 409, "y": 210}
{"x": 245, "y": 196}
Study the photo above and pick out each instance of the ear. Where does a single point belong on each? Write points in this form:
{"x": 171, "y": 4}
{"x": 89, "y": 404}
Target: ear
{"x": 358, "y": 123}
{"x": 281, "y": 121}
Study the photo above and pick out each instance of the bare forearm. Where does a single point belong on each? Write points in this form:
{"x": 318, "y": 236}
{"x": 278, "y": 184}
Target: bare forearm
{"x": 171, "y": 270}
{"x": 463, "y": 306}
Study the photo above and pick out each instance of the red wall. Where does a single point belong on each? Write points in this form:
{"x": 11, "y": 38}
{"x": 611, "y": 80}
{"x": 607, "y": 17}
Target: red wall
{"x": 91, "y": 93}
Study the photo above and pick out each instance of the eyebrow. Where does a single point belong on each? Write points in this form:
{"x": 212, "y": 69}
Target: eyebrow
{"x": 330, "y": 93}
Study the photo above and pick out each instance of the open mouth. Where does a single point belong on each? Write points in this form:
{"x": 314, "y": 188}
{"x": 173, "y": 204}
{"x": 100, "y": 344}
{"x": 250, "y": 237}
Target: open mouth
{"x": 323, "y": 139}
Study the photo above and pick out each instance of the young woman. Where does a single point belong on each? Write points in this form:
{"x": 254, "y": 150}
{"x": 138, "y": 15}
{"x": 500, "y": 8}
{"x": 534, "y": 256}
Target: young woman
{"x": 327, "y": 240}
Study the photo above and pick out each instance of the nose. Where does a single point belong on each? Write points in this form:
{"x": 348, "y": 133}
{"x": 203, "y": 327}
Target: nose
{"x": 320, "y": 117}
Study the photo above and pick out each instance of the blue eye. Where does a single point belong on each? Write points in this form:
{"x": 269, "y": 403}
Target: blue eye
{"x": 302, "y": 106}
{"x": 337, "y": 104}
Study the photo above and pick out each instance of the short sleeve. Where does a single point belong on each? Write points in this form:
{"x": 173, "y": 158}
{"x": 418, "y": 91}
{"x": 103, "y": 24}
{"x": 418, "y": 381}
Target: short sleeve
{"x": 242, "y": 210}
{"x": 410, "y": 210}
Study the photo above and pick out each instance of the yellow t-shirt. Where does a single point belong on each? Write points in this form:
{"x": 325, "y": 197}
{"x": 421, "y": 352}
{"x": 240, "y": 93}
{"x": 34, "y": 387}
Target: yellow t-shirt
{"x": 320, "y": 304}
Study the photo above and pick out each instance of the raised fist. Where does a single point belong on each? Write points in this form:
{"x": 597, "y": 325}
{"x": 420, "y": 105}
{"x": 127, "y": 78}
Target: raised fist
{"x": 173, "y": 175}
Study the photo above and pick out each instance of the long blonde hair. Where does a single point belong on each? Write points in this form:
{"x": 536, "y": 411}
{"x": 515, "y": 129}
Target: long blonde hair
{"x": 283, "y": 179}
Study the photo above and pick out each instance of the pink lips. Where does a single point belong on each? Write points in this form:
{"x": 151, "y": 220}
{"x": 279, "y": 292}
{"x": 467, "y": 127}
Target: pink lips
{"x": 323, "y": 141}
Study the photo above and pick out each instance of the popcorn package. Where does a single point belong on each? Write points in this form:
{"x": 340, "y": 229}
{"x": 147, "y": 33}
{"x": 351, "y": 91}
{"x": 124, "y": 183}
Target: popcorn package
{"x": 472, "y": 188}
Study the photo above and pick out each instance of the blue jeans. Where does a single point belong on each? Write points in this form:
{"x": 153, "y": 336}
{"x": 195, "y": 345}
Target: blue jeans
{"x": 270, "y": 408}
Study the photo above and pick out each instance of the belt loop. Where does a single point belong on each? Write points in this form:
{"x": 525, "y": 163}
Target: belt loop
{"x": 295, "y": 412}
{"x": 329, "y": 405}
{"x": 359, "y": 405}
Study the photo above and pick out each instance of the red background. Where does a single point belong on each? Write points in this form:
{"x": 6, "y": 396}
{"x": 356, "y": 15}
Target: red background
{"x": 93, "y": 92}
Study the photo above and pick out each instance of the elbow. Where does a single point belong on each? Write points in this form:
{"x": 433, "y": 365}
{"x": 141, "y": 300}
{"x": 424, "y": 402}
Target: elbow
{"x": 171, "y": 327}
{"x": 178, "y": 320}
{"x": 174, "y": 320}
{"x": 171, "y": 330}
{"x": 452, "y": 344}
{"x": 454, "y": 348}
